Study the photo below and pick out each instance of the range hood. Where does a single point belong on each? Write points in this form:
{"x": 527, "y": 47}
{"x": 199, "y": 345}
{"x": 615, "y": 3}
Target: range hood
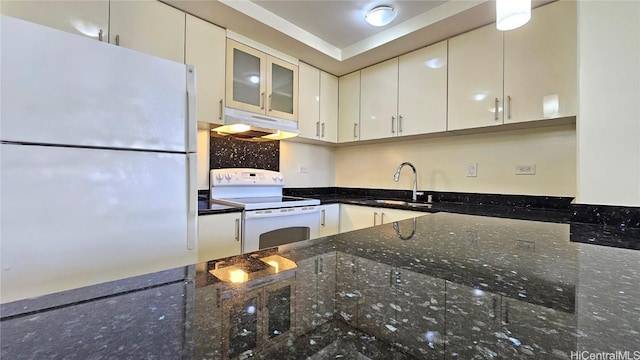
{"x": 257, "y": 127}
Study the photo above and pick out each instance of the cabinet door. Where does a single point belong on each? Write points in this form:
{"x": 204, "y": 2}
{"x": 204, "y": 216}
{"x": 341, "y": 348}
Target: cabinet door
{"x": 347, "y": 292}
{"x": 148, "y": 26}
{"x": 246, "y": 77}
{"x": 353, "y": 217}
{"x": 306, "y": 294}
{"x": 243, "y": 323}
{"x": 205, "y": 46}
{"x": 329, "y": 219}
{"x": 421, "y": 313}
{"x": 279, "y": 313}
{"x": 328, "y": 107}
{"x": 527, "y": 326}
{"x": 473, "y": 319}
{"x": 219, "y": 236}
{"x": 376, "y": 307}
{"x": 540, "y": 65}
{"x": 422, "y": 91}
{"x": 309, "y": 98}
{"x": 282, "y": 87}
{"x": 326, "y": 303}
{"x": 349, "y": 107}
{"x": 87, "y": 18}
{"x": 475, "y": 79}
{"x": 379, "y": 101}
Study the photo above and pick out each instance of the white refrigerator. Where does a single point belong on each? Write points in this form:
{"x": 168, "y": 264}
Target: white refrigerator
{"x": 98, "y": 163}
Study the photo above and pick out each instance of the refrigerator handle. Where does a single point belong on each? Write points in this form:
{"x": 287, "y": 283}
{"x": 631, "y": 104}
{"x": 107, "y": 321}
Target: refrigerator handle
{"x": 192, "y": 201}
{"x": 192, "y": 121}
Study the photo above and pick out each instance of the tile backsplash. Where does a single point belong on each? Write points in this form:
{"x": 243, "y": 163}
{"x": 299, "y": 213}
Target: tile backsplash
{"x": 229, "y": 152}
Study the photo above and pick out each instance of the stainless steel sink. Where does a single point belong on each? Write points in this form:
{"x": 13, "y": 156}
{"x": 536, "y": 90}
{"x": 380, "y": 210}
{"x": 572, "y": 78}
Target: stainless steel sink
{"x": 402, "y": 203}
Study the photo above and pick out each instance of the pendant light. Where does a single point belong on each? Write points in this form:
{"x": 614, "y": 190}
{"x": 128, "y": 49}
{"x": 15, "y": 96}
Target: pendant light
{"x": 511, "y": 14}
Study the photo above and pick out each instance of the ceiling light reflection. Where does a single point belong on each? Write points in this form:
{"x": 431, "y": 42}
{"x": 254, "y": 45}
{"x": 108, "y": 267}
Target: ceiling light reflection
{"x": 435, "y": 63}
{"x": 85, "y": 27}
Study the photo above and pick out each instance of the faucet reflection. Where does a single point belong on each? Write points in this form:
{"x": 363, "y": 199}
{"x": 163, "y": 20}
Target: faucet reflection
{"x": 396, "y": 177}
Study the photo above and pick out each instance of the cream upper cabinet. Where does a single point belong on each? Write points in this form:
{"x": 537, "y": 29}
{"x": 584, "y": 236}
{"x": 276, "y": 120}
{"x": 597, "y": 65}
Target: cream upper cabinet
{"x": 540, "y": 65}
{"x": 309, "y": 101}
{"x": 87, "y": 18}
{"x": 205, "y": 46}
{"x": 328, "y": 107}
{"x": 349, "y": 107}
{"x": 475, "y": 79}
{"x": 422, "y": 91}
{"x": 261, "y": 83}
{"x": 318, "y": 104}
{"x": 148, "y": 26}
{"x": 379, "y": 100}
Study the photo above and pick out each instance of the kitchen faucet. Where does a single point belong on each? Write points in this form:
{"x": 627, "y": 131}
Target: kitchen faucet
{"x": 396, "y": 177}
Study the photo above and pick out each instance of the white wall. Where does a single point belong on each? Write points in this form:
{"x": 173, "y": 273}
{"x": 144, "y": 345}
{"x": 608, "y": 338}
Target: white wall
{"x": 608, "y": 131}
{"x": 319, "y": 160}
{"x": 442, "y": 162}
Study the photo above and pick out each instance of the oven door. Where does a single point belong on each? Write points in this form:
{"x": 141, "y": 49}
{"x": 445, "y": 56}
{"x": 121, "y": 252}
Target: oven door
{"x": 274, "y": 227}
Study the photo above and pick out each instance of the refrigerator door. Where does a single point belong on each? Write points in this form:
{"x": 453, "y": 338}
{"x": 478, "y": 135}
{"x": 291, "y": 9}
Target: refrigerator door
{"x": 60, "y": 88}
{"x": 72, "y": 217}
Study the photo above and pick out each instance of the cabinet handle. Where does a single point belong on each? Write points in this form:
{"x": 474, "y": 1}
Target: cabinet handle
{"x": 237, "y": 230}
{"x": 381, "y": 218}
{"x": 355, "y": 130}
{"x": 321, "y": 266}
{"x": 393, "y": 124}
{"x": 399, "y": 123}
{"x": 117, "y": 40}
{"x": 496, "y": 108}
{"x": 508, "y": 106}
{"x": 375, "y": 215}
{"x": 495, "y": 308}
{"x": 262, "y": 101}
{"x": 391, "y": 278}
{"x": 221, "y": 109}
{"x": 506, "y": 313}
{"x": 324, "y": 217}
{"x": 270, "y": 107}
{"x": 315, "y": 262}
{"x": 322, "y": 129}
{"x": 318, "y": 128}
{"x": 100, "y": 35}
{"x": 218, "y": 297}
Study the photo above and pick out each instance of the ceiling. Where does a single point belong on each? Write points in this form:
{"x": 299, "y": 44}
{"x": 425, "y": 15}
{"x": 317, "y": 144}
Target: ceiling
{"x": 333, "y": 35}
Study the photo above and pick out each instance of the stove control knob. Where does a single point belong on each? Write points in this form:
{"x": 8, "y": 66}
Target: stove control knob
{"x": 280, "y": 178}
{"x": 275, "y": 177}
{"x": 227, "y": 176}
{"x": 219, "y": 177}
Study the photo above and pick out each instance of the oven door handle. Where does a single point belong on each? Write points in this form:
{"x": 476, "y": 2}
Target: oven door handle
{"x": 271, "y": 213}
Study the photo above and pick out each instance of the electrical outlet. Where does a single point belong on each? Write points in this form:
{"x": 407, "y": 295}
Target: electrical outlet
{"x": 526, "y": 169}
{"x": 472, "y": 169}
{"x": 303, "y": 169}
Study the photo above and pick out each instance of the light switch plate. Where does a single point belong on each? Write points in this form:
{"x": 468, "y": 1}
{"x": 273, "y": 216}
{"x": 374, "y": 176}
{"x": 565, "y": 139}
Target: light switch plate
{"x": 526, "y": 169}
{"x": 472, "y": 169}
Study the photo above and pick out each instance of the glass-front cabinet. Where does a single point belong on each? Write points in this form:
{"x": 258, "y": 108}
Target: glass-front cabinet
{"x": 260, "y": 83}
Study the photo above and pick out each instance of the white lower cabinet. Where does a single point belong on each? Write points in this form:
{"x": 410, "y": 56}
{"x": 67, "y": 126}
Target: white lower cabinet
{"x": 219, "y": 236}
{"x": 329, "y": 219}
{"x": 354, "y": 217}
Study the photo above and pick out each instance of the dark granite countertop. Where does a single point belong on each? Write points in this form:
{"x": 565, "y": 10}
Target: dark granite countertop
{"x": 441, "y": 286}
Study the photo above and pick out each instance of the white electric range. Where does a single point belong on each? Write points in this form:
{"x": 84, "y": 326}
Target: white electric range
{"x": 269, "y": 218}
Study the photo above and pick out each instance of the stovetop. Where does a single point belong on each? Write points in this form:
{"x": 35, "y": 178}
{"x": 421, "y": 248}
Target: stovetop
{"x": 266, "y": 202}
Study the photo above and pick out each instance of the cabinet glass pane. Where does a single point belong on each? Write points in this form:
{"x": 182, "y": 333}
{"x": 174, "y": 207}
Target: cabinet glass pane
{"x": 279, "y": 305}
{"x": 246, "y": 78}
{"x": 282, "y": 87}
{"x": 243, "y": 327}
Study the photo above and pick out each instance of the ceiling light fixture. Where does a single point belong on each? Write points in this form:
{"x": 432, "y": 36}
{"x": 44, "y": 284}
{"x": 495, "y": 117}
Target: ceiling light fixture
{"x": 511, "y": 14}
{"x": 380, "y": 15}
